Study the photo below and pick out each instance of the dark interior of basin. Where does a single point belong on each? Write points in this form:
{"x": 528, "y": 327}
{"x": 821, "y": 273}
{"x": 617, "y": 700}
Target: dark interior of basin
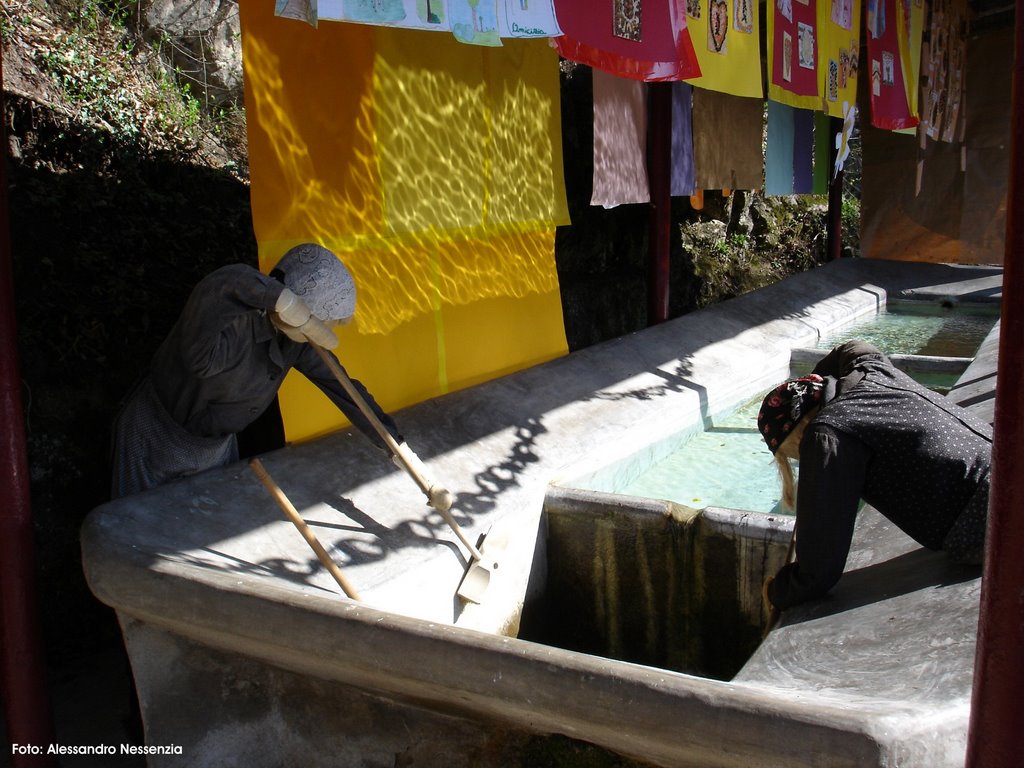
{"x": 659, "y": 589}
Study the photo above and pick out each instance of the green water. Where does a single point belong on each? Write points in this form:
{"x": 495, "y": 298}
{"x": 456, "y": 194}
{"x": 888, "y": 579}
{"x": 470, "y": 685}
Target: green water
{"x": 912, "y": 328}
{"x": 728, "y": 465}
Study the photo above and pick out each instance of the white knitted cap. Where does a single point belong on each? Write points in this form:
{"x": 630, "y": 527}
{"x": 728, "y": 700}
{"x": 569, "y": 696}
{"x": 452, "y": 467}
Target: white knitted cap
{"x": 318, "y": 277}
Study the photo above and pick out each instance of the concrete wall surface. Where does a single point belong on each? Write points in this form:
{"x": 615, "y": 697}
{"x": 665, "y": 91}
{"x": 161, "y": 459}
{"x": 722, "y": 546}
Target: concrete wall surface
{"x": 244, "y": 649}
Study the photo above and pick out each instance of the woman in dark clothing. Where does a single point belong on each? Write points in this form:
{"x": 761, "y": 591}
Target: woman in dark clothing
{"x": 223, "y": 361}
{"x": 861, "y": 429}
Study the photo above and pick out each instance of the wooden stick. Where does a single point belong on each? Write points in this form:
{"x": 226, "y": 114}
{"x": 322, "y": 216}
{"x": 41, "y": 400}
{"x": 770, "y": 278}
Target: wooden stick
{"x": 343, "y": 378}
{"x": 292, "y": 514}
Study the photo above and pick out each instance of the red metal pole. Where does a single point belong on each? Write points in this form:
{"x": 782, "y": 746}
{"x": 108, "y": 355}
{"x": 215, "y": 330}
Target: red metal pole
{"x": 660, "y": 180}
{"x": 26, "y": 697}
{"x": 996, "y": 733}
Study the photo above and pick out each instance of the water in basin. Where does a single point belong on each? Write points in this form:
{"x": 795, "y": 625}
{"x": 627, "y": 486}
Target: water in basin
{"x": 728, "y": 465}
{"x": 922, "y": 328}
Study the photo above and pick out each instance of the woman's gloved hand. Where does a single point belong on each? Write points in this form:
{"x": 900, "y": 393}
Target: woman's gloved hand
{"x": 294, "y": 319}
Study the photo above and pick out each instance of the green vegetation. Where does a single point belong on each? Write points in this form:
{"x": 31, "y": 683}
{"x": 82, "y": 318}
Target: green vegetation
{"x": 107, "y": 84}
{"x": 753, "y": 242}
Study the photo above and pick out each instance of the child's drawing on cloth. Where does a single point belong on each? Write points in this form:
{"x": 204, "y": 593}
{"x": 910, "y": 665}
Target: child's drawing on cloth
{"x": 626, "y": 19}
{"x": 842, "y": 13}
{"x": 743, "y": 16}
{"x": 718, "y": 25}
{"x": 806, "y": 40}
{"x": 474, "y": 22}
{"x": 303, "y": 10}
{"x": 888, "y": 68}
{"x": 787, "y": 57}
{"x": 526, "y": 18}
{"x": 693, "y": 8}
{"x": 785, "y": 7}
{"x": 431, "y": 11}
{"x": 405, "y": 14}
{"x": 373, "y": 11}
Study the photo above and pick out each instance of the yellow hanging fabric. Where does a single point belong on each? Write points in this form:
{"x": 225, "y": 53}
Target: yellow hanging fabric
{"x": 838, "y": 54}
{"x": 726, "y": 37}
{"x": 911, "y": 33}
{"x": 433, "y": 169}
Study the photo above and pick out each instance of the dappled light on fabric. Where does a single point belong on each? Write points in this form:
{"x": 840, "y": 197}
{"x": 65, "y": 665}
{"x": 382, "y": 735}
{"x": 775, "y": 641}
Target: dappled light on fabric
{"x": 433, "y": 170}
{"x": 464, "y": 137}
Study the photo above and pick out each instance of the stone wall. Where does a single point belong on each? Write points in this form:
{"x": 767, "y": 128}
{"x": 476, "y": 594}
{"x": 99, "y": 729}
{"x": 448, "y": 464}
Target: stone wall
{"x": 201, "y": 39}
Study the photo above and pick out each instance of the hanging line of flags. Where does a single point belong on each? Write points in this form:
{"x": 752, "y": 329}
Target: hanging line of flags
{"x": 813, "y": 46}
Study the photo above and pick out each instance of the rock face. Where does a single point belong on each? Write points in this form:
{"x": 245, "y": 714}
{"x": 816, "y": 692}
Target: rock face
{"x": 202, "y": 39}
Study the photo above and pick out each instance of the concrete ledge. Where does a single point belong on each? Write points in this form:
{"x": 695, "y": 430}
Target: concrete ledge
{"x": 207, "y": 574}
{"x": 899, "y": 628}
{"x": 909, "y": 364}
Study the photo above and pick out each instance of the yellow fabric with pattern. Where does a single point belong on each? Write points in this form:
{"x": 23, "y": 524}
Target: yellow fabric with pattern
{"x": 910, "y": 22}
{"x": 729, "y": 62}
{"x": 838, "y": 53}
{"x": 434, "y": 170}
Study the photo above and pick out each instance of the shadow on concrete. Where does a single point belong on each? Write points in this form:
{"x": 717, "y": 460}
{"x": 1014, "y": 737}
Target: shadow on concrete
{"x": 904, "y": 574}
{"x": 519, "y": 405}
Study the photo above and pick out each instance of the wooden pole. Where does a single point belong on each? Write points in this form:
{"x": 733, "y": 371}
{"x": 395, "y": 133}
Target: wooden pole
{"x": 292, "y": 514}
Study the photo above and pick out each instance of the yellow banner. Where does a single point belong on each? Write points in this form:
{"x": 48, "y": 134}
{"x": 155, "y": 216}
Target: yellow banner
{"x": 726, "y": 37}
{"x": 910, "y": 22}
{"x": 433, "y": 169}
{"x": 838, "y": 53}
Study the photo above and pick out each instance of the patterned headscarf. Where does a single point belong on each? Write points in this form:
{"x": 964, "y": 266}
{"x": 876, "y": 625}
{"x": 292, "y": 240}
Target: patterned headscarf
{"x": 785, "y": 405}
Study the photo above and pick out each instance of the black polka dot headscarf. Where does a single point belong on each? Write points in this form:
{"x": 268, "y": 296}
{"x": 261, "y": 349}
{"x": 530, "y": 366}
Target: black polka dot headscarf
{"x": 784, "y": 406}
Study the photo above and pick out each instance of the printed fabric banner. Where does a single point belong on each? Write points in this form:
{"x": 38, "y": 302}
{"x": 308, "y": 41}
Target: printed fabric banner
{"x": 406, "y": 14}
{"x": 684, "y": 179}
{"x": 944, "y": 62}
{"x": 629, "y": 38}
{"x": 910, "y": 50}
{"x": 792, "y": 53}
{"x": 527, "y": 18}
{"x": 838, "y": 53}
{"x": 888, "y": 36}
{"x": 726, "y": 36}
{"x": 620, "y": 141}
{"x": 727, "y": 133}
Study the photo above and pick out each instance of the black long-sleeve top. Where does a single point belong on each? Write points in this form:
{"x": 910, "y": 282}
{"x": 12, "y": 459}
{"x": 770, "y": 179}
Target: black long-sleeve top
{"x": 912, "y": 454}
{"x": 223, "y": 361}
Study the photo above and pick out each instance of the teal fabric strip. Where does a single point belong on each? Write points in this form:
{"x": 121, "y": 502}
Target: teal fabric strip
{"x": 778, "y": 159}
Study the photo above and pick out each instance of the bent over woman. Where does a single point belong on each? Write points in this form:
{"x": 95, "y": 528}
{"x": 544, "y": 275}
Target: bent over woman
{"x": 862, "y": 430}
